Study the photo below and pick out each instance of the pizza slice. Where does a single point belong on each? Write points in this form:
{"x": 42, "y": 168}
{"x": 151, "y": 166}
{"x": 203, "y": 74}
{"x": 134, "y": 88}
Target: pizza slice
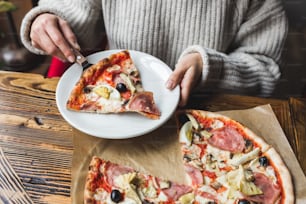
{"x": 108, "y": 182}
{"x": 113, "y": 85}
{"x": 227, "y": 163}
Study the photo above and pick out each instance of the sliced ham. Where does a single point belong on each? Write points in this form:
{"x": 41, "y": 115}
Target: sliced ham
{"x": 227, "y": 138}
{"x": 175, "y": 191}
{"x": 207, "y": 195}
{"x": 114, "y": 170}
{"x": 195, "y": 175}
{"x": 270, "y": 190}
{"x": 143, "y": 102}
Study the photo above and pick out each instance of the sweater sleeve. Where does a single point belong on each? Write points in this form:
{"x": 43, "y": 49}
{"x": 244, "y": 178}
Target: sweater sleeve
{"x": 251, "y": 64}
{"x": 84, "y": 17}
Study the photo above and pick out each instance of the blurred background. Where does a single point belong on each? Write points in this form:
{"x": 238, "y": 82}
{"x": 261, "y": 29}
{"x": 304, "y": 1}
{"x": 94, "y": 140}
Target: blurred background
{"x": 293, "y": 82}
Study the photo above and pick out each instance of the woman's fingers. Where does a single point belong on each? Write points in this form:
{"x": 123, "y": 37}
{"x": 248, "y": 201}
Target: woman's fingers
{"x": 61, "y": 43}
{"x": 186, "y": 74}
{"x": 53, "y": 35}
{"x": 176, "y": 76}
{"x": 68, "y": 34}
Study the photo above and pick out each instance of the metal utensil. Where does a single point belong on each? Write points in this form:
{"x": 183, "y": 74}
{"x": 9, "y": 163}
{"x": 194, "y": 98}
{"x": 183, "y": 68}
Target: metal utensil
{"x": 80, "y": 59}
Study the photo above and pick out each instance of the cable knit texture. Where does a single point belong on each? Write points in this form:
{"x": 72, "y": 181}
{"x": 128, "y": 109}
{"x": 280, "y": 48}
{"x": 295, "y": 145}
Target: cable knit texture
{"x": 240, "y": 41}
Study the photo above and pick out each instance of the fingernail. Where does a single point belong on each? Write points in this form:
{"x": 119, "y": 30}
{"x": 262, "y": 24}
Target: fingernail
{"x": 77, "y": 46}
{"x": 170, "y": 84}
{"x": 71, "y": 59}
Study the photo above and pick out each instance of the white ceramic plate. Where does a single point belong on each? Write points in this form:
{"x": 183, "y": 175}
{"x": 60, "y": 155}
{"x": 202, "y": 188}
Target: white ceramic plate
{"x": 154, "y": 74}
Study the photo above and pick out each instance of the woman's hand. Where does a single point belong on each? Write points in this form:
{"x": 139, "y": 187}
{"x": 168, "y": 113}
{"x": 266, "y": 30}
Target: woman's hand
{"x": 53, "y": 35}
{"x": 187, "y": 73}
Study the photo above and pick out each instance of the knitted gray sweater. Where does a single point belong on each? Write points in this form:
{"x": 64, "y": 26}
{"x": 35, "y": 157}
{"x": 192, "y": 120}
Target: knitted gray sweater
{"x": 240, "y": 40}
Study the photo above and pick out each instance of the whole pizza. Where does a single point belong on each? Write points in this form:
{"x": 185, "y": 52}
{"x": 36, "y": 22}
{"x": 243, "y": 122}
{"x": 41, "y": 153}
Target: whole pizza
{"x": 224, "y": 161}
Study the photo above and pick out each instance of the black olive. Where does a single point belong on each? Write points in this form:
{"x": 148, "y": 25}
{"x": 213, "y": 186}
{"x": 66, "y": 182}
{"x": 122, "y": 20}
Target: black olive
{"x": 87, "y": 89}
{"x": 116, "y": 196}
{"x": 121, "y": 87}
{"x": 244, "y": 202}
{"x": 146, "y": 202}
{"x": 263, "y": 161}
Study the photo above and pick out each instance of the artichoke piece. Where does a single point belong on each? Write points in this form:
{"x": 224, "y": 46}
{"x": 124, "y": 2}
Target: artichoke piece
{"x": 193, "y": 121}
{"x": 237, "y": 180}
{"x": 187, "y": 198}
{"x": 128, "y": 82}
{"x": 150, "y": 191}
{"x": 242, "y": 159}
{"x": 124, "y": 181}
{"x": 132, "y": 194}
{"x": 127, "y": 182}
{"x": 206, "y": 134}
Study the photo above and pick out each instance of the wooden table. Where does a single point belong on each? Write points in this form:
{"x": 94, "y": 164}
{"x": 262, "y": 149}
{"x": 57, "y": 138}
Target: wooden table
{"x": 38, "y": 142}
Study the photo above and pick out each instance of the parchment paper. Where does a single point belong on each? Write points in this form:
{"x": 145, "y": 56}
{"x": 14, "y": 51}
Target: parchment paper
{"x": 158, "y": 153}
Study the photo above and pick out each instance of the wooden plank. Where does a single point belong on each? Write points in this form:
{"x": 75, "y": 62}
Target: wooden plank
{"x": 11, "y": 188}
{"x": 298, "y": 108}
{"x": 34, "y": 136}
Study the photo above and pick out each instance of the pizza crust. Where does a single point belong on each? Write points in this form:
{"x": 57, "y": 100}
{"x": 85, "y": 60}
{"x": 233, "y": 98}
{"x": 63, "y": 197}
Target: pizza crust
{"x": 284, "y": 174}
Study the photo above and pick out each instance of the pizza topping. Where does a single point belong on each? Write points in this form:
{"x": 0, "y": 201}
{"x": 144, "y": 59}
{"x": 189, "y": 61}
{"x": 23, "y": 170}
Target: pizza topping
{"x": 124, "y": 181}
{"x": 187, "y": 198}
{"x": 116, "y": 196}
{"x": 237, "y": 180}
{"x": 227, "y": 138}
{"x": 216, "y": 124}
{"x": 206, "y": 134}
{"x": 185, "y": 135}
{"x": 114, "y": 170}
{"x": 121, "y": 87}
{"x": 249, "y": 176}
{"x": 164, "y": 184}
{"x": 263, "y": 161}
{"x": 129, "y": 182}
{"x": 128, "y": 82}
{"x": 244, "y": 201}
{"x": 239, "y": 159}
{"x": 88, "y": 89}
{"x": 150, "y": 191}
{"x": 206, "y": 194}
{"x": 132, "y": 194}
{"x": 142, "y": 102}
{"x": 107, "y": 92}
{"x": 271, "y": 191}
{"x": 195, "y": 175}
{"x": 193, "y": 121}
{"x": 248, "y": 145}
{"x": 175, "y": 191}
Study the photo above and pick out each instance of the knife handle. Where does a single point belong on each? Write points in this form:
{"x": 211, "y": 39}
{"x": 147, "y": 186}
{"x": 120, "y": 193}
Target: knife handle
{"x": 79, "y": 58}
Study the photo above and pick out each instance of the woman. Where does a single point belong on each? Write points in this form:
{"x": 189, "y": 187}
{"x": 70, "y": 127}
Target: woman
{"x": 212, "y": 45}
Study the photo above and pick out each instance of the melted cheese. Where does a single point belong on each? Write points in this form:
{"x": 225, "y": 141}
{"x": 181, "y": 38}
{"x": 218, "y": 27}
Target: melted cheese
{"x": 217, "y": 124}
{"x": 111, "y": 103}
{"x": 215, "y": 159}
